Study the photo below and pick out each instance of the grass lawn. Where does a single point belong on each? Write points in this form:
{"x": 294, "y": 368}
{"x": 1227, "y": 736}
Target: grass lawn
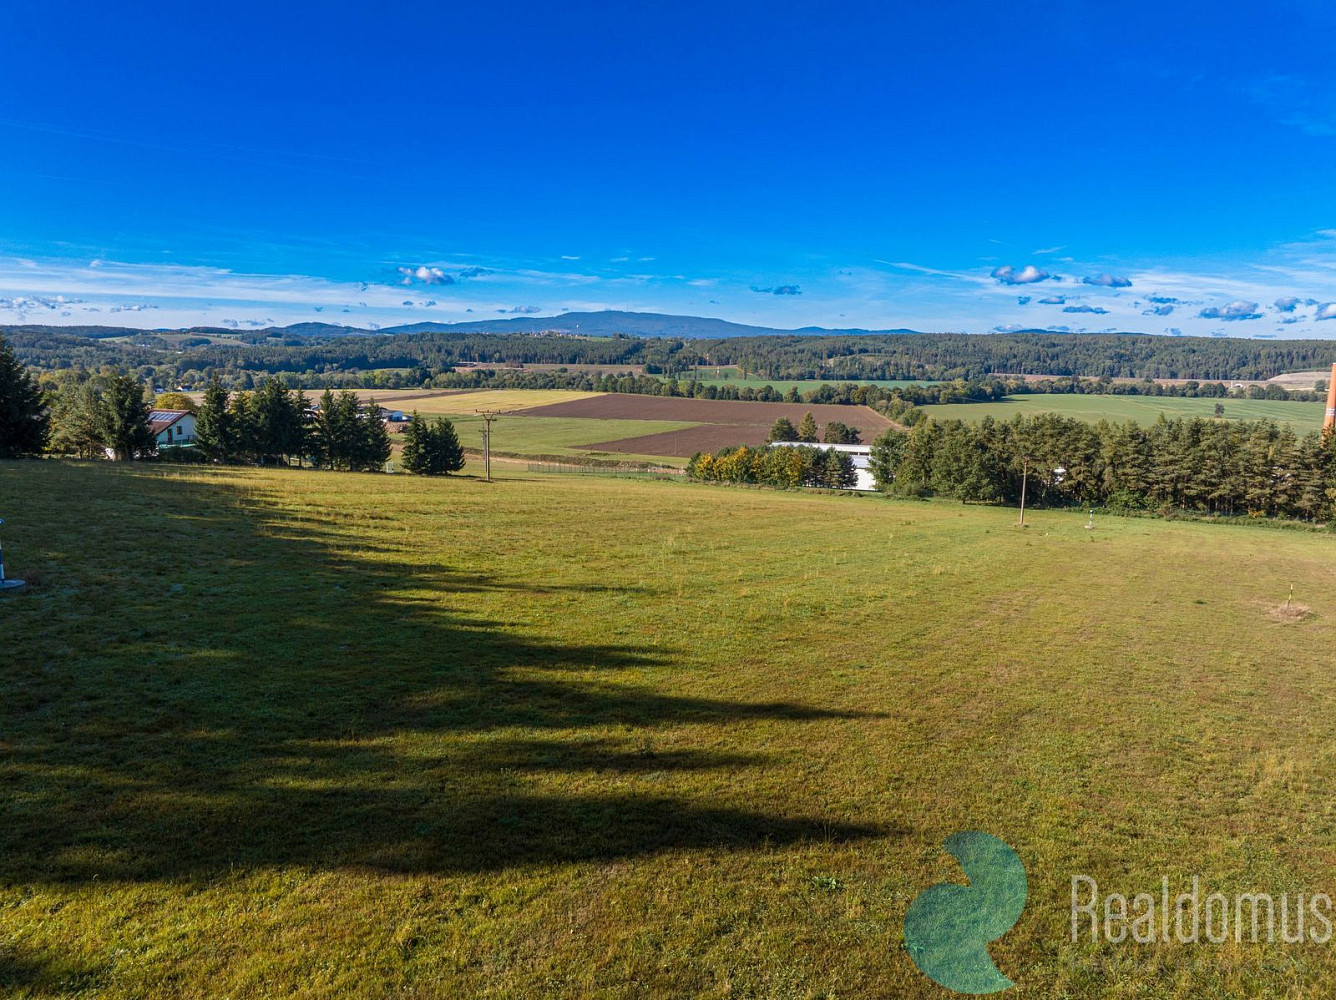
{"x": 284, "y": 733}
{"x": 1142, "y": 409}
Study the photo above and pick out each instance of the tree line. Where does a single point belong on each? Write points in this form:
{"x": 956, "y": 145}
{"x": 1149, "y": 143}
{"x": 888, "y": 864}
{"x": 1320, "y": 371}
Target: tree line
{"x": 781, "y": 466}
{"x": 108, "y": 415}
{"x": 1257, "y": 468}
{"x": 823, "y": 356}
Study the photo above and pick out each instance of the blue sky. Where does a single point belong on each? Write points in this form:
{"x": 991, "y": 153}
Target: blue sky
{"x": 947, "y": 166}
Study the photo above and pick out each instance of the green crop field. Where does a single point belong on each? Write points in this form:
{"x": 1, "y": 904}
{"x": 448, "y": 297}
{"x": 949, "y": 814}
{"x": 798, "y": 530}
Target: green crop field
{"x": 1142, "y": 409}
{"x": 286, "y": 733}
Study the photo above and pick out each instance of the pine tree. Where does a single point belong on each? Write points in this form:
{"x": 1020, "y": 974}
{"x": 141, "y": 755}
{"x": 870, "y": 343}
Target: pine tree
{"x": 125, "y": 415}
{"x": 838, "y": 470}
{"x": 838, "y": 432}
{"x": 807, "y": 428}
{"x": 24, "y": 423}
{"x": 431, "y": 449}
{"x": 279, "y": 415}
{"x": 449, "y": 453}
{"x": 213, "y": 429}
{"x": 78, "y": 422}
{"x": 783, "y": 430}
{"x": 414, "y": 457}
{"x": 375, "y": 447}
{"x": 322, "y": 432}
{"x": 244, "y": 438}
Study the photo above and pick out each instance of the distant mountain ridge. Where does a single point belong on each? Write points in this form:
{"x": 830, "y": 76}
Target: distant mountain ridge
{"x": 595, "y": 324}
{"x": 637, "y": 324}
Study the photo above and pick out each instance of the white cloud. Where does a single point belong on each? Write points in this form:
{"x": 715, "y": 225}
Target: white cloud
{"x": 424, "y": 274}
{"x": 1239, "y": 309}
{"x": 1107, "y": 281}
{"x": 1027, "y": 275}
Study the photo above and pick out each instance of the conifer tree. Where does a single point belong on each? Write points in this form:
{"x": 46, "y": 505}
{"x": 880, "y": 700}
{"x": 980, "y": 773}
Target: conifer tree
{"x": 213, "y": 431}
{"x": 24, "y": 423}
{"x": 807, "y": 428}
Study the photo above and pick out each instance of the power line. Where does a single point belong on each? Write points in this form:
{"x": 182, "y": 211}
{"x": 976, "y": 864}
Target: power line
{"x": 488, "y": 416}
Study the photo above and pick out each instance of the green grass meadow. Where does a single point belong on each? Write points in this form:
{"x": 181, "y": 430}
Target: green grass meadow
{"x": 1142, "y": 409}
{"x": 298, "y": 734}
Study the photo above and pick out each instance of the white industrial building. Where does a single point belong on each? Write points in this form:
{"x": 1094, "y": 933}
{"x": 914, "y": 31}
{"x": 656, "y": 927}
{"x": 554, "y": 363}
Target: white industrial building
{"x": 860, "y": 453}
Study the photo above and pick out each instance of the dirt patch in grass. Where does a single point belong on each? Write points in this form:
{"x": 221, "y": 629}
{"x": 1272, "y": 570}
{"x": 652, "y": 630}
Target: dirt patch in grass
{"x": 1288, "y": 614}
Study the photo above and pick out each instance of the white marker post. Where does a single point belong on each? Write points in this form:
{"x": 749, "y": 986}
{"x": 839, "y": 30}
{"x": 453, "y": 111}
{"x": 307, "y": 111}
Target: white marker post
{"x": 8, "y": 584}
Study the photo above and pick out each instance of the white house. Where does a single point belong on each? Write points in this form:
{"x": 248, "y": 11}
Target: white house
{"x": 860, "y": 453}
{"x": 172, "y": 428}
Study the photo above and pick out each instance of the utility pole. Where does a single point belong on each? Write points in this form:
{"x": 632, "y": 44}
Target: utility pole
{"x": 1025, "y": 476}
{"x": 487, "y": 416}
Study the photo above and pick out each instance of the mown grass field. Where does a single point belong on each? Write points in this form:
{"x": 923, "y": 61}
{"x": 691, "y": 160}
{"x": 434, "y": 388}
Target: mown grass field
{"x": 1142, "y": 409}
{"x": 450, "y": 402}
{"x": 285, "y": 733}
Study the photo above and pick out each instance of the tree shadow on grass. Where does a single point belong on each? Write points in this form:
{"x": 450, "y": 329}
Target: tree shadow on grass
{"x": 240, "y": 688}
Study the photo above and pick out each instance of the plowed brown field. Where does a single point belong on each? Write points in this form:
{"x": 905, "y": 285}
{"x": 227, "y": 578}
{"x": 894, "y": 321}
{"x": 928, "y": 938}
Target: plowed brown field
{"x": 723, "y": 422}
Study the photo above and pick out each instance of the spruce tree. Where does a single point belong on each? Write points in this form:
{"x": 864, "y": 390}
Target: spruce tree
{"x": 125, "y": 415}
{"x": 23, "y": 417}
{"x": 807, "y": 428}
{"x": 213, "y": 430}
{"x": 415, "y": 454}
{"x": 375, "y": 446}
{"x": 448, "y": 453}
{"x": 78, "y": 423}
{"x": 432, "y": 449}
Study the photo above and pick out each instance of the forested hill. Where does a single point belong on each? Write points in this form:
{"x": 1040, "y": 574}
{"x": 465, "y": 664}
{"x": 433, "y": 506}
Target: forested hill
{"x": 186, "y": 356}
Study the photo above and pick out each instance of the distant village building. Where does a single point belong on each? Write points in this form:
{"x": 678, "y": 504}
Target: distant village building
{"x": 393, "y": 416}
{"x": 172, "y": 428}
{"x": 860, "y": 453}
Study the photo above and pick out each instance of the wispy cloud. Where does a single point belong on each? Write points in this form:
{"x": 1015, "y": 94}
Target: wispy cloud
{"x": 778, "y": 290}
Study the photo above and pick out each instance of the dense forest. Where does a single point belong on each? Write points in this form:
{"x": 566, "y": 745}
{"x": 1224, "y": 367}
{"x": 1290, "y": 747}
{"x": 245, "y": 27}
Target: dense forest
{"x": 1252, "y": 468}
{"x": 416, "y": 358}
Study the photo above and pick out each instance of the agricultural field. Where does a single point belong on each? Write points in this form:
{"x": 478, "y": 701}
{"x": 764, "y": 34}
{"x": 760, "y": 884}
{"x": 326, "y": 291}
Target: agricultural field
{"x": 287, "y": 733}
{"x": 720, "y": 423}
{"x": 730, "y": 376}
{"x": 570, "y": 437}
{"x": 450, "y": 402}
{"x": 1142, "y": 409}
